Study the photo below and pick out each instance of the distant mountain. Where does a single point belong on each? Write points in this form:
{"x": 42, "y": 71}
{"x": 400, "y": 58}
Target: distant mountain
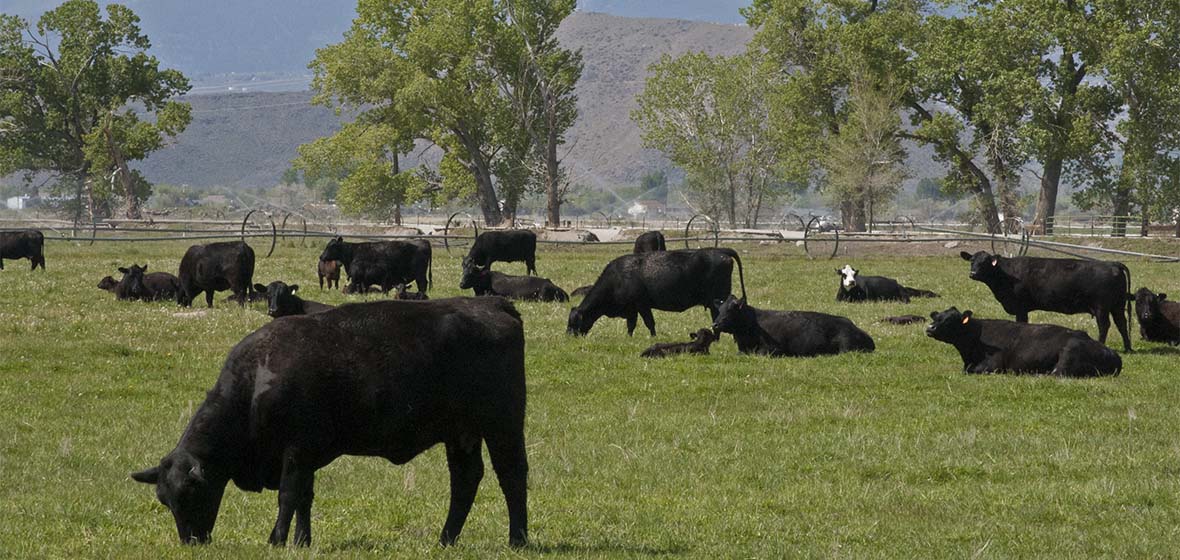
{"x": 716, "y": 11}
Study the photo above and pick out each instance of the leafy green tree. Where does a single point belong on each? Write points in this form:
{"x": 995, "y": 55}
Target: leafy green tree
{"x": 717, "y": 118}
{"x": 73, "y": 89}
{"x": 654, "y": 185}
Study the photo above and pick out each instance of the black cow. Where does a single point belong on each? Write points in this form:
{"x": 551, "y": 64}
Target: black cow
{"x": 989, "y": 346}
{"x": 137, "y": 284}
{"x": 383, "y": 263}
{"x": 632, "y": 286}
{"x": 581, "y": 291}
{"x": 1023, "y": 284}
{"x": 512, "y": 245}
{"x": 486, "y": 282}
{"x": 27, "y": 244}
{"x": 282, "y": 301}
{"x": 855, "y": 288}
{"x": 108, "y": 283}
{"x": 649, "y": 242}
{"x": 788, "y": 333}
{"x": 904, "y": 319}
{"x": 214, "y": 267}
{"x": 701, "y": 340}
{"x": 1159, "y": 320}
{"x": 401, "y": 292}
{"x": 384, "y": 379}
{"x": 329, "y": 270}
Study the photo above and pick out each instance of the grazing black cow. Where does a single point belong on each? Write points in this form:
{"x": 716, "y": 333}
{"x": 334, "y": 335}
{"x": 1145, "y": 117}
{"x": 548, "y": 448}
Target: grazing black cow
{"x": 856, "y": 288}
{"x": 1159, "y": 320}
{"x": 905, "y": 320}
{"x": 581, "y": 291}
{"x": 632, "y": 286}
{"x": 486, "y": 282}
{"x": 329, "y": 270}
{"x": 215, "y": 267}
{"x": 402, "y": 293}
{"x": 282, "y": 301}
{"x": 384, "y": 379}
{"x": 701, "y": 340}
{"x": 788, "y": 333}
{"x": 383, "y": 263}
{"x": 27, "y": 244}
{"x": 108, "y": 283}
{"x": 989, "y": 346}
{"x": 649, "y": 242}
{"x": 512, "y": 245}
{"x": 1023, "y": 284}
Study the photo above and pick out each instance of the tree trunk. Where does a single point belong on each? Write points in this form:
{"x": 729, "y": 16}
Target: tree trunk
{"x": 397, "y": 213}
{"x": 125, "y": 177}
{"x": 1047, "y": 200}
{"x": 552, "y": 180}
{"x": 485, "y": 188}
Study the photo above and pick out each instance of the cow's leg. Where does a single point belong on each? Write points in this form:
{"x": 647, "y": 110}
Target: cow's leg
{"x": 511, "y": 464}
{"x": 423, "y": 284}
{"x": 209, "y": 297}
{"x": 648, "y": 320}
{"x": 296, "y": 490}
{"x": 1, "y": 264}
{"x": 466, "y": 466}
{"x": 532, "y": 264}
{"x": 632, "y": 319}
{"x": 1103, "y": 317}
{"x": 322, "y": 282}
{"x": 242, "y": 295}
{"x": 1120, "y": 321}
{"x": 1022, "y": 317}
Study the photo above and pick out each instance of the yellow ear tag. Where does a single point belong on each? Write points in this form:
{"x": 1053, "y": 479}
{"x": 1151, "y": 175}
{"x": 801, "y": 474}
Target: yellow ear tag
{"x": 965, "y": 319}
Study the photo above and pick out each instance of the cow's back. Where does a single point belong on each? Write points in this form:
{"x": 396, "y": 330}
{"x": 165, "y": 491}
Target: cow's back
{"x": 1064, "y": 285}
{"x": 386, "y": 378}
{"x": 679, "y": 280}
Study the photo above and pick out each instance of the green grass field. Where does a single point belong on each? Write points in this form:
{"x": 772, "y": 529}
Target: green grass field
{"x": 891, "y": 454}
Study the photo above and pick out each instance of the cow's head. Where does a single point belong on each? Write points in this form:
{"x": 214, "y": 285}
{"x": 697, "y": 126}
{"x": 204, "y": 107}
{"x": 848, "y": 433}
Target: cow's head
{"x": 335, "y": 251}
{"x": 703, "y": 337}
{"x": 1147, "y": 305}
{"x": 983, "y": 265}
{"x": 192, "y": 494}
{"x": 281, "y": 299}
{"x": 579, "y": 323}
{"x": 949, "y": 325}
{"x": 847, "y": 276}
{"x": 733, "y": 315}
{"x": 132, "y": 281}
{"x": 475, "y": 277}
{"x": 107, "y": 283}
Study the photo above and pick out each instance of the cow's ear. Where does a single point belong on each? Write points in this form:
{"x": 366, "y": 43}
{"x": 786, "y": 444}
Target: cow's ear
{"x": 123, "y": 270}
{"x": 692, "y": 335}
{"x": 294, "y": 288}
{"x": 839, "y": 272}
{"x": 340, "y": 239}
{"x": 1162, "y": 296}
{"x": 260, "y": 288}
{"x": 933, "y": 314}
{"x": 995, "y": 261}
{"x": 742, "y": 303}
{"x": 966, "y": 256}
{"x": 145, "y": 267}
{"x": 717, "y": 303}
{"x": 147, "y": 476}
{"x": 966, "y": 317}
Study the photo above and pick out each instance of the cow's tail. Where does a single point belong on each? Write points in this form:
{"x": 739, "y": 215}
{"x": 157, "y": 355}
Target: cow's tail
{"x": 1129, "y": 296}
{"x": 741, "y": 273}
{"x": 430, "y": 268}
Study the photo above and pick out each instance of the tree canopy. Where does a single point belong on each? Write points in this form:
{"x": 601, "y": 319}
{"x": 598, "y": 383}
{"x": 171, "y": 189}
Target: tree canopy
{"x": 73, "y": 89}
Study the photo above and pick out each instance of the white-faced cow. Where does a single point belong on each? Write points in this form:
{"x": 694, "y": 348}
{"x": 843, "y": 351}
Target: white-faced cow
{"x": 282, "y": 301}
{"x": 650, "y": 241}
{"x": 216, "y": 267}
{"x": 514, "y": 245}
{"x": 788, "y": 333}
{"x": 631, "y": 286}
{"x": 856, "y": 288}
{"x": 386, "y": 379}
{"x": 1024, "y": 284}
{"x": 995, "y": 346}
{"x": 1159, "y": 319}
{"x": 25, "y": 244}
{"x": 701, "y": 340}
{"x": 382, "y": 263}
{"x": 487, "y": 282}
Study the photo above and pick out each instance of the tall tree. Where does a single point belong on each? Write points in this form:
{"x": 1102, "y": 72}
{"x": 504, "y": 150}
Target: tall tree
{"x": 717, "y": 118}
{"x": 72, "y": 90}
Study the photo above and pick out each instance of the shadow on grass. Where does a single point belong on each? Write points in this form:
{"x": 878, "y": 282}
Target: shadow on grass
{"x": 380, "y": 545}
{"x": 1160, "y": 351}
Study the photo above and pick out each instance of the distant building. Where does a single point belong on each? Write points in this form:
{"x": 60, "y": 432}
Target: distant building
{"x": 647, "y": 207}
{"x": 22, "y": 202}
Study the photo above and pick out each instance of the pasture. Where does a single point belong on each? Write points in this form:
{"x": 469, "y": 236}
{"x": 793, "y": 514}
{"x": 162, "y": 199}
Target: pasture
{"x": 891, "y": 454}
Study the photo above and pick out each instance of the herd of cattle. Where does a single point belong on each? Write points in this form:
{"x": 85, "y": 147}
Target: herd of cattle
{"x": 392, "y": 379}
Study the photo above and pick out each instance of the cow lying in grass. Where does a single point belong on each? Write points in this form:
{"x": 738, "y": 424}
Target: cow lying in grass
{"x": 1159, "y": 320}
{"x": 138, "y": 284}
{"x": 788, "y": 333}
{"x": 701, "y": 340}
{"x": 400, "y": 292}
{"x": 995, "y": 346}
{"x": 486, "y": 282}
{"x": 856, "y": 288}
{"x": 282, "y": 301}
